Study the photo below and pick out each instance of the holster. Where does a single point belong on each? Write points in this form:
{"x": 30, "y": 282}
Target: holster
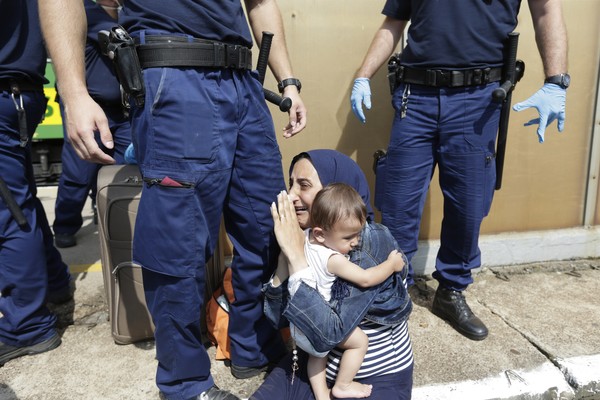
{"x": 121, "y": 49}
{"x": 393, "y": 65}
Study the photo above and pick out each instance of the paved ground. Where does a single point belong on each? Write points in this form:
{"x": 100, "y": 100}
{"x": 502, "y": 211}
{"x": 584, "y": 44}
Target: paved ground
{"x": 544, "y": 342}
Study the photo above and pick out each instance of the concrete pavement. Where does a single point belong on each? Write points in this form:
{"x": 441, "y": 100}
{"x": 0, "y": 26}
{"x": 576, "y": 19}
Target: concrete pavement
{"x": 544, "y": 342}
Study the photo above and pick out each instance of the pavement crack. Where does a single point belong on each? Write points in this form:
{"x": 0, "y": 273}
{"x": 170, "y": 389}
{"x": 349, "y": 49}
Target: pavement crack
{"x": 548, "y": 353}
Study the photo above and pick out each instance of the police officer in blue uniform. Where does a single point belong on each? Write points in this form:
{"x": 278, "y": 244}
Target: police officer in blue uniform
{"x": 206, "y": 146}
{"x": 30, "y": 265}
{"x": 445, "y": 117}
{"x": 78, "y": 177}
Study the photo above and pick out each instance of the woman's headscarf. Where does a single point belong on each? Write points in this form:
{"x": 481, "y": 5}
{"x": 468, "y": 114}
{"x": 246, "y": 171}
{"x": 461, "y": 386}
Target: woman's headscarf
{"x": 333, "y": 166}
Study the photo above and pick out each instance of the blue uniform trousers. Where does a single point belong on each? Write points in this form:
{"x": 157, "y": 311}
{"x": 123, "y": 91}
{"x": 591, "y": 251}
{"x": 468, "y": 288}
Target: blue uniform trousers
{"x": 454, "y": 129}
{"x": 23, "y": 267}
{"x": 79, "y": 177}
{"x": 206, "y": 146}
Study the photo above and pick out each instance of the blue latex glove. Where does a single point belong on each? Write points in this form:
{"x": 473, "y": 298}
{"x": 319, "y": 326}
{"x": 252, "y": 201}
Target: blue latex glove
{"x": 361, "y": 94}
{"x": 130, "y": 154}
{"x": 550, "y": 103}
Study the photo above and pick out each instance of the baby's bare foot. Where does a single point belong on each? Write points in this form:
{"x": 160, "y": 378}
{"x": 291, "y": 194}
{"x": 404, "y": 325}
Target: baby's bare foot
{"x": 352, "y": 390}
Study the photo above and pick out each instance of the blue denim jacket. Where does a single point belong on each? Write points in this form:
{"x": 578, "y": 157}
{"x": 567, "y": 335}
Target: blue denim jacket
{"x": 326, "y": 324}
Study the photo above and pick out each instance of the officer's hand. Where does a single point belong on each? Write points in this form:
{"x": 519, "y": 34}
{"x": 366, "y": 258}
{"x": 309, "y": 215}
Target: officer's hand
{"x": 550, "y": 103}
{"x": 297, "y": 112}
{"x": 361, "y": 93}
{"x": 83, "y": 118}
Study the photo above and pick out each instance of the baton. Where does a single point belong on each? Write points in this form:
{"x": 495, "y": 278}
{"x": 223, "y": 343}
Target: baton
{"x": 12, "y": 205}
{"x": 284, "y": 103}
{"x": 513, "y": 72}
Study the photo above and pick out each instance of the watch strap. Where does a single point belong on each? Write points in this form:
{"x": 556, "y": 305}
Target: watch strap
{"x": 562, "y": 80}
{"x": 287, "y": 82}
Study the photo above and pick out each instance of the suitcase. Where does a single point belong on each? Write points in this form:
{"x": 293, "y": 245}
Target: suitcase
{"x": 117, "y": 200}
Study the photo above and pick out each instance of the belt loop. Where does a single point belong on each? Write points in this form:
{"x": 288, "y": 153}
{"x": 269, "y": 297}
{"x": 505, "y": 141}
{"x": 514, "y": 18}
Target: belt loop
{"x": 231, "y": 58}
{"x": 219, "y": 52}
{"x": 431, "y": 77}
{"x": 486, "y": 75}
{"x": 457, "y": 78}
{"x": 468, "y": 77}
{"x": 477, "y": 74}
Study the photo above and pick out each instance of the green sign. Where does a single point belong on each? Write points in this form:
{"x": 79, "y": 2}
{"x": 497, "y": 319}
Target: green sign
{"x": 51, "y": 126}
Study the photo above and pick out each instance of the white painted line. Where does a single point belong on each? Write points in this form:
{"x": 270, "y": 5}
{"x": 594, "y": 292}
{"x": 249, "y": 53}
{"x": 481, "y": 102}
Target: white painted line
{"x": 544, "y": 379}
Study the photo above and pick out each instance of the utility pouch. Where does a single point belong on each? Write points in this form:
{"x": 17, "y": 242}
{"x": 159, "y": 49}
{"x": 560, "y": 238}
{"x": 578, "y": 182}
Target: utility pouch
{"x": 393, "y": 68}
{"x": 120, "y": 48}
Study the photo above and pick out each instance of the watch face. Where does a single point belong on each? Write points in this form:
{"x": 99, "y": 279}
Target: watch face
{"x": 566, "y": 81}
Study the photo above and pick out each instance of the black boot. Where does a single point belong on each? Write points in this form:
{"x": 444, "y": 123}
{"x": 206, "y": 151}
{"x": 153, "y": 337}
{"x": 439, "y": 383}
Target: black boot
{"x": 452, "y": 306}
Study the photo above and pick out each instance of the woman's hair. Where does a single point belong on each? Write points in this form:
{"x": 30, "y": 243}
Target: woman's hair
{"x": 334, "y": 202}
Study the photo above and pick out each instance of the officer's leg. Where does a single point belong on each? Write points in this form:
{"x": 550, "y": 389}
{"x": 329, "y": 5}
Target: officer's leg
{"x": 256, "y": 180}
{"x": 467, "y": 177}
{"x": 73, "y": 189}
{"x": 23, "y": 280}
{"x": 410, "y": 165}
{"x": 178, "y": 219}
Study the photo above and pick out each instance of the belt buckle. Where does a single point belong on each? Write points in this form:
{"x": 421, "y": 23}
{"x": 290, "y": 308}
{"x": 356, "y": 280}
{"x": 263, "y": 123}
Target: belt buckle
{"x": 232, "y": 58}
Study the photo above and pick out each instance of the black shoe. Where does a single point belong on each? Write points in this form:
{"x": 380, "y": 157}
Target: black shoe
{"x": 452, "y": 306}
{"x": 7, "y": 352}
{"x": 60, "y": 296}
{"x": 64, "y": 240}
{"x": 248, "y": 372}
{"x": 214, "y": 393}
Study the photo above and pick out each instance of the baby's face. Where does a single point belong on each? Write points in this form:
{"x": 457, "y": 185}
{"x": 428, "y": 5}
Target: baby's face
{"x": 344, "y": 236}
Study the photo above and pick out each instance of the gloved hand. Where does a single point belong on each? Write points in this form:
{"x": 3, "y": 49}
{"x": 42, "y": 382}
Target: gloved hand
{"x": 550, "y": 103}
{"x": 361, "y": 93}
{"x": 130, "y": 154}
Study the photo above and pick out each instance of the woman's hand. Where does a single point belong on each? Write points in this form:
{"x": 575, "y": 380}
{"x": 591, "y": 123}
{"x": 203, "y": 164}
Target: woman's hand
{"x": 288, "y": 233}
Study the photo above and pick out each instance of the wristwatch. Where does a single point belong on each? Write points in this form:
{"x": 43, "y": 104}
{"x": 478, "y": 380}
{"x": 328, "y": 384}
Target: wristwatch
{"x": 562, "y": 80}
{"x": 287, "y": 82}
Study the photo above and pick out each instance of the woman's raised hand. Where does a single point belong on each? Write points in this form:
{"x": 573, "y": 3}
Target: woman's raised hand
{"x": 288, "y": 233}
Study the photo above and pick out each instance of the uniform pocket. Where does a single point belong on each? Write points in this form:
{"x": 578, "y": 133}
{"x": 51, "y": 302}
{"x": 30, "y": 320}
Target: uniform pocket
{"x": 165, "y": 239}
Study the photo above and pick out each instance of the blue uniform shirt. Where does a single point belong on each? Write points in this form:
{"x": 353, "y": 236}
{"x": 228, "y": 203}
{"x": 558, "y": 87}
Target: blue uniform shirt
{"x": 218, "y": 20}
{"x": 22, "y": 52}
{"x": 100, "y": 75}
{"x": 455, "y": 34}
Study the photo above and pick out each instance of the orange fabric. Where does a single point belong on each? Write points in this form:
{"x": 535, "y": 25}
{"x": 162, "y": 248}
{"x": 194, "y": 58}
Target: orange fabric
{"x": 217, "y": 318}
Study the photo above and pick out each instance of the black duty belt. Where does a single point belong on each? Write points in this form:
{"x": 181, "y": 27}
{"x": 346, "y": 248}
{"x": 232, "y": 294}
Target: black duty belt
{"x": 177, "y": 51}
{"x": 448, "y": 78}
{"x": 20, "y": 85}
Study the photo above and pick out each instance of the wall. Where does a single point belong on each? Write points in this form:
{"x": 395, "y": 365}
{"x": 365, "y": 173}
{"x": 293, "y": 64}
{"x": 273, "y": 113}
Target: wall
{"x": 544, "y": 185}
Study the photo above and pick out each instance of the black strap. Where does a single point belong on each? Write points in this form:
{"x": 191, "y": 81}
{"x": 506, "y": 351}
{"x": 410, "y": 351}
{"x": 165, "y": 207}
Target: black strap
{"x": 449, "y": 78}
{"x": 22, "y": 85}
{"x": 177, "y": 51}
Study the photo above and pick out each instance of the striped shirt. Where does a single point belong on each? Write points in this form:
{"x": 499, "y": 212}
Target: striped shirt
{"x": 389, "y": 351}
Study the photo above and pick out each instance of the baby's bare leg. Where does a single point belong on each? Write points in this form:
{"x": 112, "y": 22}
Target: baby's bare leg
{"x": 355, "y": 347}
{"x": 316, "y": 375}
